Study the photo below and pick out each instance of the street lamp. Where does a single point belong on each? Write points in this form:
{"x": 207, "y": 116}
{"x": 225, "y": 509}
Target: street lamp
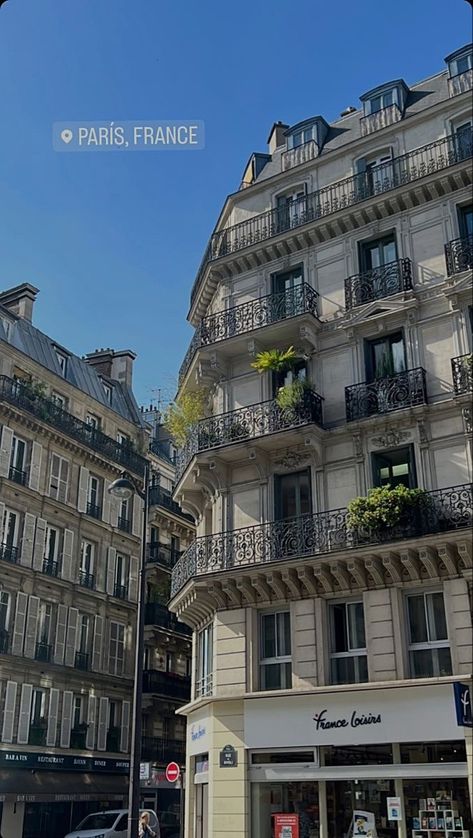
{"x": 124, "y": 488}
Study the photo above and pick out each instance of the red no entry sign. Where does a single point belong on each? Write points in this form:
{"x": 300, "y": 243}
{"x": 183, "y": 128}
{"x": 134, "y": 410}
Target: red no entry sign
{"x": 173, "y": 772}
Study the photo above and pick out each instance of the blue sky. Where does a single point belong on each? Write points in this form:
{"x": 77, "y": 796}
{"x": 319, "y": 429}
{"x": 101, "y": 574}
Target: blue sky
{"x": 113, "y": 240}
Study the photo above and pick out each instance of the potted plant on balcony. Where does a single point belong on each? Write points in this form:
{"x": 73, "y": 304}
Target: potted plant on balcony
{"x": 385, "y": 510}
{"x": 291, "y": 395}
{"x": 275, "y": 360}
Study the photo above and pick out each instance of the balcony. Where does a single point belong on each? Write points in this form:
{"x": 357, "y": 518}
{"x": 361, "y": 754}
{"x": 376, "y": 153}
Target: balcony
{"x": 462, "y": 374}
{"x": 301, "y": 154}
{"x": 157, "y": 614}
{"x": 51, "y": 568}
{"x": 459, "y": 255}
{"x": 162, "y": 554}
{"x": 378, "y": 283}
{"x": 384, "y": 395}
{"x": 256, "y": 420}
{"x": 461, "y": 83}
{"x": 37, "y": 734}
{"x": 17, "y": 475}
{"x": 78, "y": 737}
{"x": 120, "y": 591}
{"x": 160, "y": 497}
{"x": 93, "y": 510}
{"x": 320, "y": 533}
{"x": 341, "y": 195}
{"x": 113, "y": 740}
{"x": 82, "y": 661}
{"x": 167, "y": 684}
{"x": 9, "y": 553}
{"x": 4, "y": 641}
{"x": 249, "y": 316}
{"x": 155, "y": 749}
{"x": 381, "y": 119}
{"x": 43, "y": 651}
{"x": 22, "y": 395}
{"x": 86, "y": 580}
{"x": 124, "y": 524}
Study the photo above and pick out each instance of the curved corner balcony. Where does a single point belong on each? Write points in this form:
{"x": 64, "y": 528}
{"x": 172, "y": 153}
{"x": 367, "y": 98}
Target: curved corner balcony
{"x": 248, "y": 317}
{"x": 378, "y": 283}
{"x": 245, "y": 423}
{"x": 395, "y": 392}
{"x": 251, "y": 548}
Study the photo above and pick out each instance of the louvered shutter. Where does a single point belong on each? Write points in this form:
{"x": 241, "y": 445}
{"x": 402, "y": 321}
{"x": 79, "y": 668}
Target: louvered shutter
{"x": 97, "y": 645}
{"x": 39, "y": 542}
{"x": 51, "y": 734}
{"x": 107, "y": 504}
{"x": 83, "y": 489}
{"x": 71, "y": 637}
{"x": 114, "y": 510}
{"x": 91, "y": 722}
{"x": 103, "y": 723}
{"x": 25, "y": 713}
{"x": 66, "y": 718}
{"x": 111, "y": 563}
{"x": 60, "y": 639}
{"x": 26, "y": 554}
{"x": 35, "y": 466}
{"x": 31, "y": 627}
{"x": 67, "y": 570}
{"x": 9, "y": 712}
{"x": 20, "y": 623}
{"x": 5, "y": 451}
{"x": 63, "y": 480}
{"x": 2, "y": 514}
{"x": 137, "y": 518}
{"x": 125, "y": 726}
{"x": 134, "y": 571}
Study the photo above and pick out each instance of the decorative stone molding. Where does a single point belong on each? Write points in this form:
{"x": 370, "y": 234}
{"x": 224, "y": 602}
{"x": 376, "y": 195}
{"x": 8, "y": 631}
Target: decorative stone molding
{"x": 390, "y": 438}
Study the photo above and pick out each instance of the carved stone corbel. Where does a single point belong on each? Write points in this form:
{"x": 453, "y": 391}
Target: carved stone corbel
{"x": 410, "y": 560}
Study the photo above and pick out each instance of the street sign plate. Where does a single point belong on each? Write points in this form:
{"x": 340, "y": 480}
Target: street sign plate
{"x": 173, "y": 772}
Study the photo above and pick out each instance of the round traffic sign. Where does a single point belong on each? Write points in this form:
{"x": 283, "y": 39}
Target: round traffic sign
{"x": 173, "y": 772}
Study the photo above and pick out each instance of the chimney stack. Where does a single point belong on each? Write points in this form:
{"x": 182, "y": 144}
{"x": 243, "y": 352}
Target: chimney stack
{"x": 276, "y": 136}
{"x": 20, "y": 300}
{"x": 114, "y": 364}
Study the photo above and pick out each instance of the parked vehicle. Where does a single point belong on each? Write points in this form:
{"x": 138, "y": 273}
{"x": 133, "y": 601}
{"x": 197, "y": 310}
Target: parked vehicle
{"x": 109, "y": 824}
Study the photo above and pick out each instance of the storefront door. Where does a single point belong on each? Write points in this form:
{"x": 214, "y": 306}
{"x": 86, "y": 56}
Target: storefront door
{"x": 202, "y": 810}
{"x": 346, "y": 797}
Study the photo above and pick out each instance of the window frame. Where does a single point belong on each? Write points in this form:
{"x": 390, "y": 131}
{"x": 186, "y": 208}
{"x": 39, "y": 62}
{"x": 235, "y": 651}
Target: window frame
{"x": 8, "y": 514}
{"x": 411, "y": 461}
{"x": 45, "y": 622}
{"x": 47, "y": 544}
{"x": 5, "y": 608}
{"x": 354, "y": 652}
{"x": 204, "y": 662}
{"x": 34, "y": 718}
{"x": 427, "y": 645}
{"x": 62, "y": 463}
{"x": 116, "y": 661}
{"x": 62, "y": 359}
{"x": 370, "y": 365}
{"x": 85, "y": 543}
{"x": 453, "y": 65}
{"x": 277, "y": 660}
{"x": 391, "y": 92}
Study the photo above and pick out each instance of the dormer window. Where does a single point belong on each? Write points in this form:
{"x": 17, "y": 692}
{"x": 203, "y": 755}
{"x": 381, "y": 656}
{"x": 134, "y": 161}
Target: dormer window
{"x": 303, "y": 135}
{"x": 304, "y": 141}
{"x": 383, "y": 106}
{"x": 384, "y": 100}
{"x": 460, "y": 70}
{"x": 62, "y": 361}
{"x": 108, "y": 390}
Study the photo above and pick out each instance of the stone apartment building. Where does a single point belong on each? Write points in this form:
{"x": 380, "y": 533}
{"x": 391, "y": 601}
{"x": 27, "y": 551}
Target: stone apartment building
{"x": 330, "y": 661}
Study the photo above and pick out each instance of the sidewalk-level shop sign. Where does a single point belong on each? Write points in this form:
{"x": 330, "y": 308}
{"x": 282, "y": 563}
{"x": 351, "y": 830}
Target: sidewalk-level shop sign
{"x": 58, "y": 762}
{"x": 228, "y": 757}
{"x": 286, "y": 826}
{"x": 394, "y": 808}
{"x": 463, "y": 704}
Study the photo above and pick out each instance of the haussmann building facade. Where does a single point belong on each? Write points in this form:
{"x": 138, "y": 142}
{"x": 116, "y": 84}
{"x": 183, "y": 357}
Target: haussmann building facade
{"x": 331, "y": 662}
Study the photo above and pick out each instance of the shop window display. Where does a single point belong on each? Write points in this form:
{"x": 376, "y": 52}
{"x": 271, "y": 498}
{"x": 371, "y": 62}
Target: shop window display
{"x": 347, "y": 796}
{"x": 437, "y": 808}
{"x": 269, "y": 799}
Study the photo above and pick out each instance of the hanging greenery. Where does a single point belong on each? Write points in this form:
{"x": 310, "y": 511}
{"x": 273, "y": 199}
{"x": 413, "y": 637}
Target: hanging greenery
{"x": 183, "y": 413}
{"x": 384, "y": 507}
{"x": 290, "y": 396}
{"x": 275, "y": 360}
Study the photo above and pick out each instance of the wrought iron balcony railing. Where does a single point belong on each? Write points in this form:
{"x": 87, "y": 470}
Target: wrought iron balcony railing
{"x": 380, "y": 119}
{"x": 459, "y": 255}
{"x": 93, "y": 510}
{"x": 342, "y": 194}
{"x": 462, "y": 373}
{"x": 4, "y": 641}
{"x": 157, "y": 614}
{"x": 248, "y": 423}
{"x": 78, "y": 738}
{"x": 82, "y": 661}
{"x": 378, "y": 283}
{"x": 177, "y": 687}
{"x": 86, "y": 579}
{"x": 113, "y": 739}
{"x": 301, "y": 154}
{"x": 17, "y": 475}
{"x": 23, "y": 395}
{"x": 124, "y": 524}
{"x": 9, "y": 553}
{"x": 246, "y": 317}
{"x": 156, "y": 749}
{"x": 162, "y": 554}
{"x": 395, "y": 392}
{"x": 160, "y": 497}
{"x": 317, "y": 534}
{"x": 120, "y": 591}
{"x": 51, "y": 568}
{"x": 43, "y": 651}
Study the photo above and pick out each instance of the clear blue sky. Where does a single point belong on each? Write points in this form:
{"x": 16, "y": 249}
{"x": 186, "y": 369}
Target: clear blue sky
{"x": 113, "y": 240}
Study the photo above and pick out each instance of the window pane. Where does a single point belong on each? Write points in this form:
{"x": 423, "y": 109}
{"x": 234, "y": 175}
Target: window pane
{"x": 284, "y": 634}
{"x": 343, "y": 670}
{"x": 356, "y": 625}
{"x": 271, "y": 676}
{"x": 444, "y": 661}
{"x": 437, "y": 621}
{"x": 376, "y": 104}
{"x": 268, "y": 648}
{"x": 398, "y": 355}
{"x": 387, "y": 99}
{"x": 422, "y": 663}
{"x": 339, "y": 628}
{"x": 417, "y": 621}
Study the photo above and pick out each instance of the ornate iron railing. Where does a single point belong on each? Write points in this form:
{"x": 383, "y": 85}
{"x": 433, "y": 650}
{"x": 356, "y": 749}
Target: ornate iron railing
{"x": 340, "y": 195}
{"x": 459, "y": 255}
{"x": 157, "y": 614}
{"x": 4, "y": 641}
{"x": 155, "y": 749}
{"x": 43, "y": 651}
{"x": 406, "y": 389}
{"x": 78, "y": 738}
{"x": 462, "y": 373}
{"x": 94, "y": 510}
{"x": 167, "y": 683}
{"x": 9, "y": 553}
{"x": 298, "y": 155}
{"x": 17, "y": 475}
{"x": 24, "y": 396}
{"x": 82, "y": 661}
{"x": 86, "y": 579}
{"x": 160, "y": 497}
{"x": 50, "y": 567}
{"x": 246, "y": 317}
{"x": 120, "y": 591}
{"x": 162, "y": 554}
{"x": 378, "y": 283}
{"x": 248, "y": 423}
{"x": 317, "y": 534}
{"x": 124, "y": 524}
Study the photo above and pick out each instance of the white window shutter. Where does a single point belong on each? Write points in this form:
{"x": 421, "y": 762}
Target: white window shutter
{"x": 35, "y": 466}
{"x": 20, "y": 623}
{"x": 26, "y": 554}
{"x": 60, "y": 639}
{"x": 91, "y": 722}
{"x": 83, "y": 489}
{"x": 39, "y": 543}
{"x": 2, "y": 513}
{"x": 5, "y": 451}
{"x": 103, "y": 724}
{"x": 66, "y": 719}
{"x": 106, "y": 504}
{"x": 125, "y": 726}
{"x": 137, "y": 519}
{"x": 71, "y": 637}
{"x": 67, "y": 556}
{"x": 51, "y": 733}
{"x": 111, "y": 563}
{"x": 25, "y": 713}
{"x": 97, "y": 645}
{"x": 31, "y": 627}
{"x": 134, "y": 577}
{"x": 9, "y": 712}
{"x": 114, "y": 510}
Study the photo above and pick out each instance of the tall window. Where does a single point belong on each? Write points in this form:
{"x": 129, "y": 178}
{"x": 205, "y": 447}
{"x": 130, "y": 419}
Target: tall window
{"x": 45, "y": 622}
{"x": 11, "y": 522}
{"x": 117, "y": 648}
{"x": 395, "y": 467}
{"x": 93, "y": 421}
{"x": 429, "y": 649}
{"x": 292, "y": 494}
{"x": 78, "y": 711}
{"x": 93, "y": 496}
{"x": 275, "y": 651}
{"x": 17, "y": 460}
{"x": 83, "y": 634}
{"x": 38, "y": 707}
{"x": 204, "y": 682}
{"x": 290, "y": 207}
{"x": 59, "y": 478}
{"x": 87, "y": 557}
{"x": 385, "y": 356}
{"x": 384, "y": 100}
{"x": 4, "y": 620}
{"x": 465, "y": 221}
{"x": 51, "y": 548}
{"x": 348, "y": 659}
{"x": 376, "y": 253}
{"x": 122, "y": 568}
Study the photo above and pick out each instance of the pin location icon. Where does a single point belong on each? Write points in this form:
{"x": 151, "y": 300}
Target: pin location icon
{"x": 66, "y": 135}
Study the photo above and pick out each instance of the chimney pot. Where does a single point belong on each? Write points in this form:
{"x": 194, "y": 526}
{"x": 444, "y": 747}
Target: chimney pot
{"x": 20, "y": 300}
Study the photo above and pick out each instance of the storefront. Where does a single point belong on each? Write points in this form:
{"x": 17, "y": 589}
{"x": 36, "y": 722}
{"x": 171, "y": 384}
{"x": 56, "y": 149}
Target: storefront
{"x": 390, "y": 763}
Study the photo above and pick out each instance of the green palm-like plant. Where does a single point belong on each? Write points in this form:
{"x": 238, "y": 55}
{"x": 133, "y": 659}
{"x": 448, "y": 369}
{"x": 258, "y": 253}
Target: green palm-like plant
{"x": 275, "y": 360}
